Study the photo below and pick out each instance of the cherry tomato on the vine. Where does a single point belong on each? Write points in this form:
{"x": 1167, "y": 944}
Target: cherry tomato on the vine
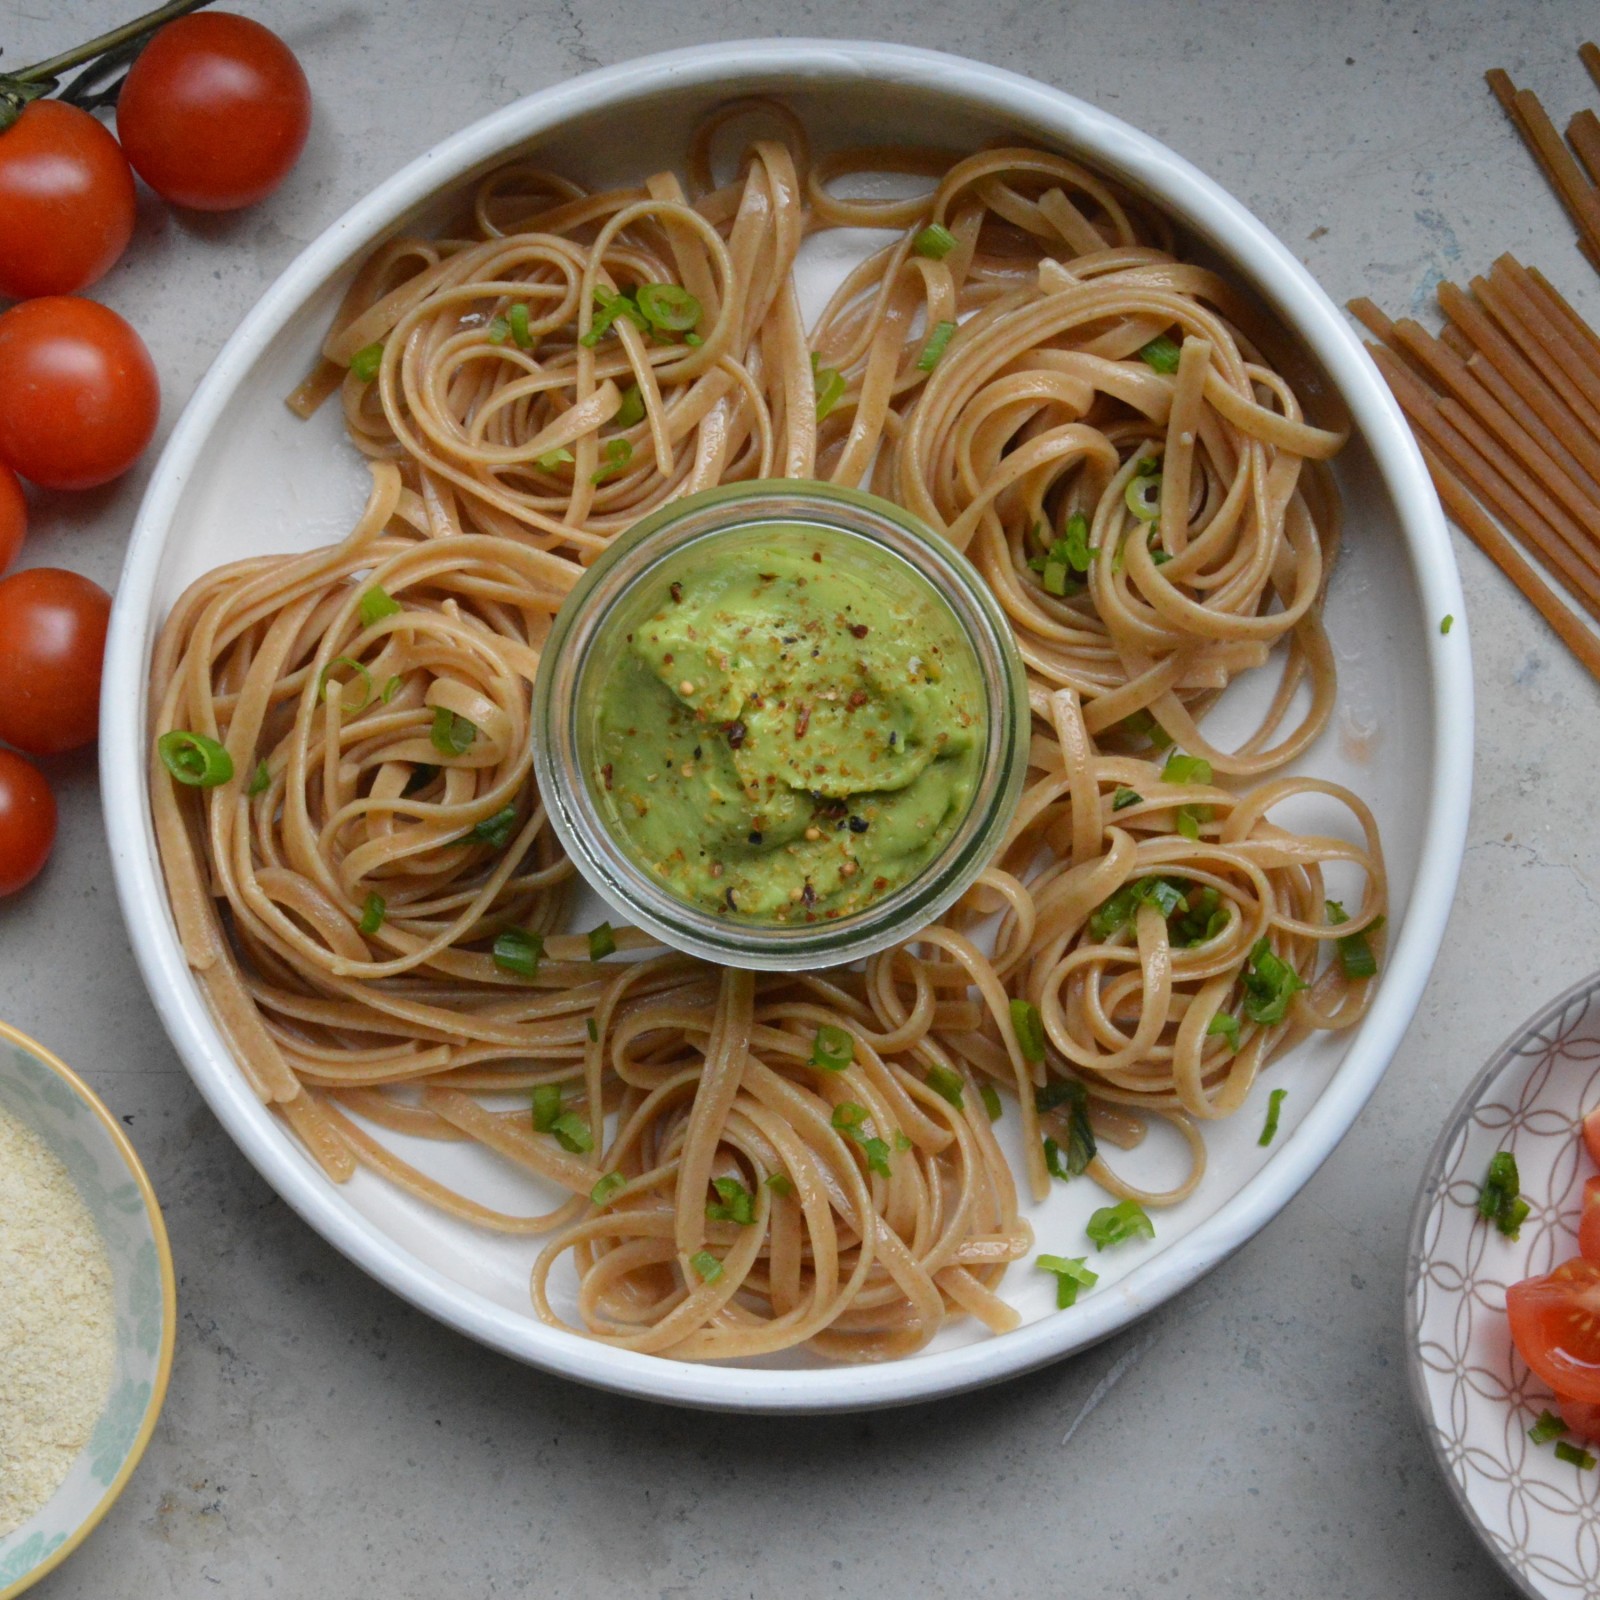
{"x": 66, "y": 201}
{"x": 27, "y": 822}
{"x": 79, "y": 394}
{"x": 13, "y": 517}
{"x": 52, "y": 643}
{"x": 215, "y": 112}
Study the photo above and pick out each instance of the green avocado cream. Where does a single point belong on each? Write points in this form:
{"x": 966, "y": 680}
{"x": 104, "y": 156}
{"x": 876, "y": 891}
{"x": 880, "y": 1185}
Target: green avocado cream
{"x": 793, "y": 731}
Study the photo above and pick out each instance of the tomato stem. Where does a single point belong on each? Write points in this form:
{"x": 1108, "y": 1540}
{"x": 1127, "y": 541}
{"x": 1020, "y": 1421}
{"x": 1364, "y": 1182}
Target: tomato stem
{"x": 68, "y": 59}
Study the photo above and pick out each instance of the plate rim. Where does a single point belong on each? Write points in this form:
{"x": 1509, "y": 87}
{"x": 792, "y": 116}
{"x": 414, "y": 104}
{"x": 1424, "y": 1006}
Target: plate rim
{"x": 1114, "y": 145}
{"x": 1422, "y": 1207}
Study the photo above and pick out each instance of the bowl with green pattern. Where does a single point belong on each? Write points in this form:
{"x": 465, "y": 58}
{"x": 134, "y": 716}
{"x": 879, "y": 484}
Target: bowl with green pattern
{"x": 49, "y": 1100}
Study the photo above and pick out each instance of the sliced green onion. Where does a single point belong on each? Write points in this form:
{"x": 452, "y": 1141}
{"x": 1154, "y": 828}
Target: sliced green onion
{"x": 1186, "y": 769}
{"x": 1143, "y": 496}
{"x": 451, "y": 734}
{"x": 947, "y": 1085}
{"x": 498, "y": 331}
{"x": 632, "y": 408}
{"x": 1057, "y": 579}
{"x": 693, "y": 340}
{"x": 1548, "y": 1427}
{"x": 848, "y": 1119}
{"x": 618, "y": 454}
{"x": 517, "y": 321}
{"x": 376, "y": 604}
{"x": 935, "y": 242}
{"x": 1052, "y": 1159}
{"x": 592, "y": 1029}
{"x": 1112, "y": 1225}
{"x": 391, "y": 688}
{"x": 1269, "y": 1130}
{"x": 421, "y": 776}
{"x": 938, "y": 343}
{"x": 366, "y": 361}
{"x": 1142, "y": 725}
{"x": 1116, "y": 911}
{"x": 611, "y": 306}
{"x": 1187, "y": 819}
{"x": 1500, "y": 1198}
{"x": 1269, "y": 985}
{"x": 552, "y": 459}
{"x": 372, "y": 913}
{"x": 546, "y": 1106}
{"x": 877, "y": 1157}
{"x": 991, "y": 1100}
{"x": 1574, "y": 1455}
{"x": 1124, "y": 798}
{"x": 194, "y": 759}
{"x": 831, "y": 387}
{"x": 1355, "y": 950}
{"x": 602, "y": 942}
{"x": 901, "y": 1142}
{"x": 707, "y": 1265}
{"x": 606, "y": 1187}
{"x": 1226, "y": 1026}
{"x": 1029, "y": 1029}
{"x": 833, "y": 1049}
{"x": 780, "y": 1183}
{"x": 1072, "y": 1274}
{"x": 848, "y": 1116}
{"x": 1446, "y": 623}
{"x": 519, "y": 951}
{"x": 573, "y": 1134}
{"x": 668, "y": 306}
{"x": 1161, "y": 353}
{"x": 260, "y": 780}
{"x": 1079, "y": 552}
{"x": 496, "y": 830}
{"x": 1081, "y": 1146}
{"x": 736, "y": 1204}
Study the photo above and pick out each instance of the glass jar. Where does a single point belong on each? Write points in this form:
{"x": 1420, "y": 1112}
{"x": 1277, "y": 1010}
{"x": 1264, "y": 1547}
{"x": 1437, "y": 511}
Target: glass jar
{"x": 879, "y": 547}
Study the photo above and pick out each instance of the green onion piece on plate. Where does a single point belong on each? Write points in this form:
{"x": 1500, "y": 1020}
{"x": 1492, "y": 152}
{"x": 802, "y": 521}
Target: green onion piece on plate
{"x": 451, "y": 734}
{"x": 496, "y": 830}
{"x": 608, "y": 1186}
{"x": 1072, "y": 1274}
{"x": 572, "y": 1133}
{"x": 1161, "y": 353}
{"x": 668, "y": 307}
{"x": 735, "y": 1203}
{"x": 1269, "y": 985}
{"x": 632, "y": 408}
{"x": 934, "y": 349}
{"x": 376, "y": 603}
{"x": 1574, "y": 1455}
{"x": 707, "y": 1265}
{"x": 260, "y": 780}
{"x": 517, "y": 321}
{"x": 831, "y": 387}
{"x": 602, "y": 942}
{"x": 991, "y": 1100}
{"x": 935, "y": 242}
{"x": 1227, "y": 1027}
{"x": 833, "y": 1049}
{"x": 194, "y": 759}
{"x": 546, "y": 1106}
{"x": 366, "y": 361}
{"x": 519, "y": 951}
{"x": 1029, "y": 1029}
{"x": 372, "y": 913}
{"x": 947, "y": 1085}
{"x": 1269, "y": 1130}
{"x": 1112, "y": 1225}
{"x": 1548, "y": 1427}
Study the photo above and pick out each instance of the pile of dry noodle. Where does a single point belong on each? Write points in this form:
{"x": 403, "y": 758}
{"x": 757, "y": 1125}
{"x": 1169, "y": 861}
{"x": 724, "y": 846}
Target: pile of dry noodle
{"x": 340, "y": 895}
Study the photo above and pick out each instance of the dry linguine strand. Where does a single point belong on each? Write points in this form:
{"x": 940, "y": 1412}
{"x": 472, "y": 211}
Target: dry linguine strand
{"x": 1135, "y": 480}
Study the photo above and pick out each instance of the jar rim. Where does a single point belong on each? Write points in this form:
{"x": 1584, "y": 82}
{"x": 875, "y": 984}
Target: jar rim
{"x": 734, "y": 941}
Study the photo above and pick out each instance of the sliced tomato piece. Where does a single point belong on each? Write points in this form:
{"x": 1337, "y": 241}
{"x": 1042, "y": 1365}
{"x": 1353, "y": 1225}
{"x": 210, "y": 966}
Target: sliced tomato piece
{"x": 1589, "y": 1222}
{"x": 1581, "y": 1416}
{"x": 1555, "y": 1324}
{"x": 1591, "y": 1135}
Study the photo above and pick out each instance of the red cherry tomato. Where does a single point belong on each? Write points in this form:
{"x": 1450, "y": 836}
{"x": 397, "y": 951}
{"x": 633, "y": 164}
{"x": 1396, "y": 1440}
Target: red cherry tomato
{"x": 13, "y": 517}
{"x": 215, "y": 112}
{"x": 1589, "y": 1222}
{"x": 79, "y": 396}
{"x": 1591, "y": 1135}
{"x": 27, "y": 822}
{"x": 66, "y": 201}
{"x": 52, "y": 641}
{"x": 1555, "y": 1325}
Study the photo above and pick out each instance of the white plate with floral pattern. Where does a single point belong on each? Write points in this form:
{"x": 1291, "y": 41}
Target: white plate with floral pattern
{"x": 1538, "y": 1514}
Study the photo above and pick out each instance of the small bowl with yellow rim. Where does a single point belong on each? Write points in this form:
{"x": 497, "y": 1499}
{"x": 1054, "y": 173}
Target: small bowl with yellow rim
{"x": 43, "y": 1102}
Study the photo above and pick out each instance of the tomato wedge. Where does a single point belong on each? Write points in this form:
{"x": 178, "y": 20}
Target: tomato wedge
{"x": 1591, "y": 1135}
{"x": 1589, "y": 1222}
{"x": 1555, "y": 1325}
{"x": 1581, "y": 1416}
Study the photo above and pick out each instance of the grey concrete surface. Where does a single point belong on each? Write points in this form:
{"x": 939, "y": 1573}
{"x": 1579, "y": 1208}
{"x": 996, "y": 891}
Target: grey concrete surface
{"x": 1255, "y": 1436}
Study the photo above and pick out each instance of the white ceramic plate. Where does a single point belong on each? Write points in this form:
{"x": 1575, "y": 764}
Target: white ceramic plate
{"x": 241, "y": 476}
{"x": 1539, "y": 1515}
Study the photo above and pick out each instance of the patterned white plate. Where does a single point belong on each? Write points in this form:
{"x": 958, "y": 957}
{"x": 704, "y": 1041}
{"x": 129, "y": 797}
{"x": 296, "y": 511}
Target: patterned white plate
{"x": 1538, "y": 1515}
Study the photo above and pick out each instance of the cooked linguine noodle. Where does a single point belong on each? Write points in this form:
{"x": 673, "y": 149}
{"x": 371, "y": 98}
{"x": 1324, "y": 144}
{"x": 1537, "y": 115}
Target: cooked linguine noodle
{"x": 739, "y": 1164}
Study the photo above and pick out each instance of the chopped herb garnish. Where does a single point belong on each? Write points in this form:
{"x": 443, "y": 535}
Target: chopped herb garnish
{"x": 632, "y": 408}
{"x": 991, "y": 1100}
{"x": 366, "y": 361}
{"x": 1226, "y": 1026}
{"x": 1056, "y": 1167}
{"x": 194, "y": 759}
{"x": 1081, "y": 1146}
{"x": 609, "y": 307}
{"x": 901, "y": 1142}
{"x": 1270, "y": 983}
{"x": 1072, "y": 1274}
{"x": 1446, "y": 623}
{"x": 1142, "y": 725}
{"x": 1116, "y": 911}
{"x": 736, "y": 1203}
{"x": 1124, "y": 798}
{"x": 1500, "y": 1200}
{"x": 1161, "y": 353}
{"x": 1548, "y": 1427}
{"x": 1117, "y": 1224}
{"x": 372, "y": 914}
{"x": 1275, "y": 1100}
{"x": 496, "y": 830}
{"x": 618, "y": 454}
{"x": 1574, "y": 1455}
{"x": 451, "y": 735}
{"x": 572, "y": 1133}
{"x": 780, "y": 1183}
{"x": 519, "y": 951}
{"x": 391, "y": 688}
{"x": 592, "y": 1030}
{"x": 1355, "y": 950}
{"x": 707, "y": 1265}
{"x": 938, "y": 343}
{"x": 606, "y": 1187}
{"x": 602, "y": 942}
{"x": 1187, "y": 819}
{"x": 935, "y": 242}
{"x": 552, "y": 459}
{"x": 1143, "y": 494}
{"x": 947, "y": 1085}
{"x": 1204, "y": 918}
{"x": 833, "y": 1049}
{"x": 498, "y": 330}
{"x": 517, "y": 321}
{"x": 668, "y": 307}
{"x": 546, "y": 1106}
{"x": 1186, "y": 769}
{"x": 360, "y": 671}
{"x": 421, "y": 776}
{"x": 376, "y": 603}
{"x": 1029, "y": 1028}
{"x": 831, "y": 386}
{"x": 848, "y": 1119}
{"x": 260, "y": 779}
